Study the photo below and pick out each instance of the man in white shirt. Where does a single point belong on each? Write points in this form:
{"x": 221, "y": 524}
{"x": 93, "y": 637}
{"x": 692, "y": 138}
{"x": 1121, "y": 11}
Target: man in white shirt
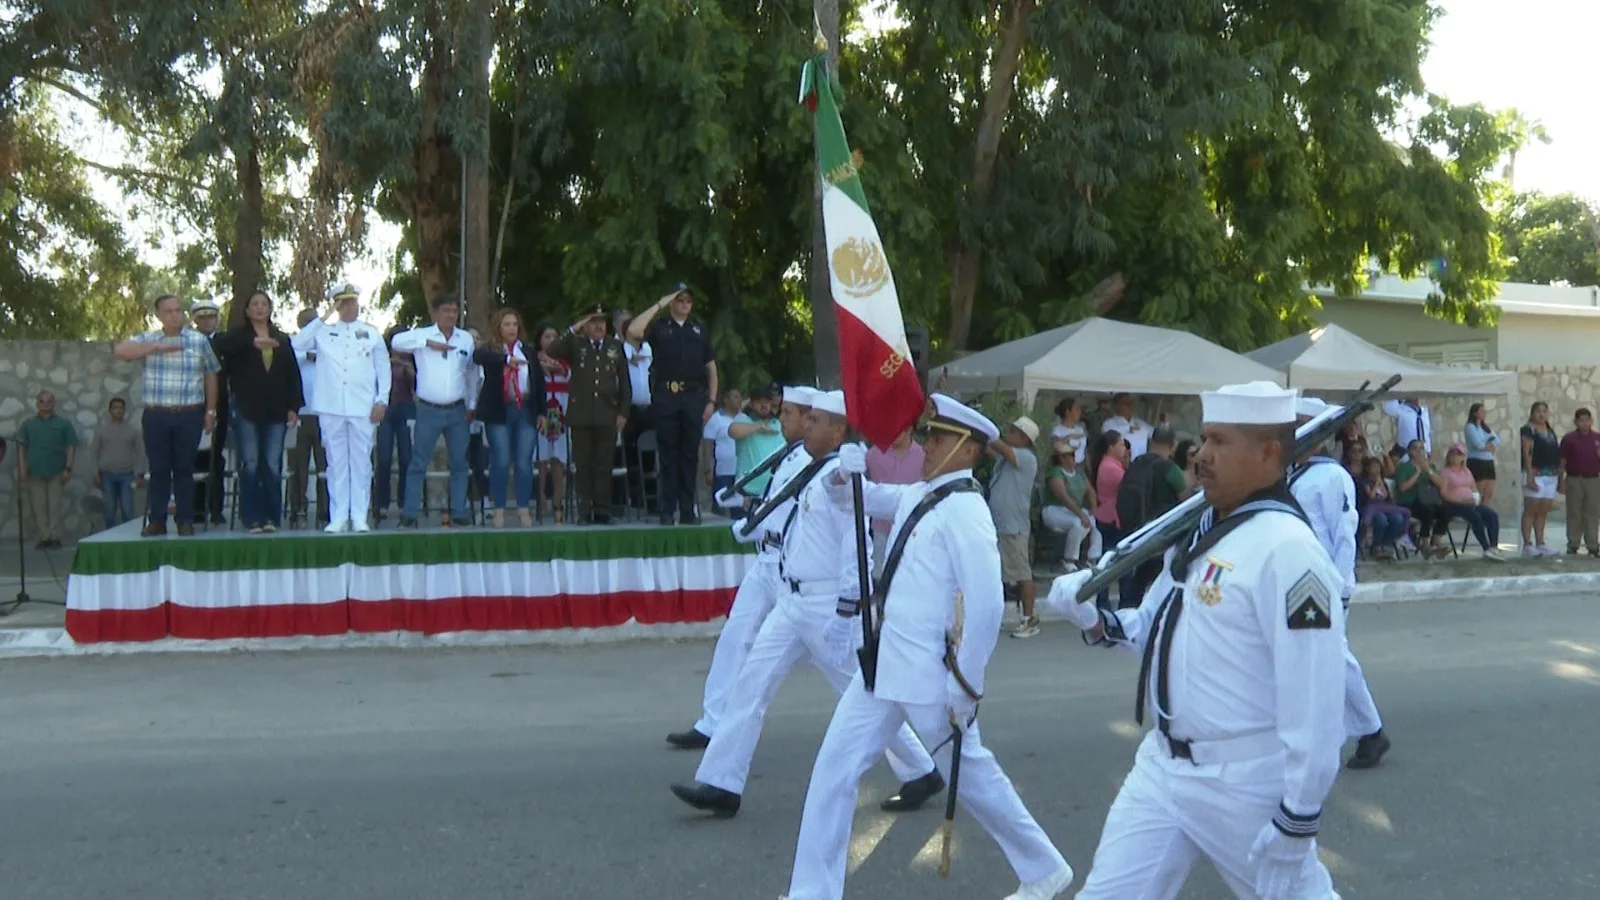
{"x": 351, "y": 395}
{"x": 721, "y": 458}
{"x": 1133, "y": 429}
{"x": 308, "y": 438}
{"x": 444, "y": 368}
{"x": 1411, "y": 423}
{"x": 640, "y": 418}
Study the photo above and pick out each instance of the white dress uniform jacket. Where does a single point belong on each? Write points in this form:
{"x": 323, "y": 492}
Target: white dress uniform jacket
{"x": 352, "y": 367}
{"x": 757, "y": 592}
{"x": 809, "y": 585}
{"x": 1327, "y": 494}
{"x": 1255, "y": 691}
{"x": 952, "y": 551}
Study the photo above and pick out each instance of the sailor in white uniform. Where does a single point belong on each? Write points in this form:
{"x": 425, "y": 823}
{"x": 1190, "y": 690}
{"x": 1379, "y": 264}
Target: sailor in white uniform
{"x": 943, "y": 586}
{"x": 1327, "y": 493}
{"x": 758, "y": 589}
{"x": 349, "y": 399}
{"x": 818, "y": 590}
{"x": 1242, "y": 637}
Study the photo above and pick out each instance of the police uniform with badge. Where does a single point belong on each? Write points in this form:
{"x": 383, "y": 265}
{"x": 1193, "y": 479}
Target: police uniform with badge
{"x": 599, "y": 397}
{"x": 349, "y": 398}
{"x": 1327, "y": 493}
{"x": 1242, "y": 645}
{"x": 758, "y": 589}
{"x": 817, "y": 577}
{"x": 683, "y": 379}
{"x": 941, "y": 609}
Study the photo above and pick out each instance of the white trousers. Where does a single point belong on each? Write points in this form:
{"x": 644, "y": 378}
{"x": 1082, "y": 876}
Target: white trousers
{"x": 1360, "y": 710}
{"x": 794, "y": 631}
{"x": 1059, "y": 518}
{"x": 862, "y": 726}
{"x": 751, "y": 603}
{"x": 1170, "y": 812}
{"x": 348, "y": 442}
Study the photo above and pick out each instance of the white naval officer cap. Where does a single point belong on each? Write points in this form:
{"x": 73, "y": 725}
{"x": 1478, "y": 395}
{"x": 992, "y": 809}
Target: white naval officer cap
{"x": 1255, "y": 403}
{"x": 799, "y": 395}
{"x": 341, "y": 291}
{"x": 200, "y": 306}
{"x": 829, "y": 402}
{"x": 950, "y": 414}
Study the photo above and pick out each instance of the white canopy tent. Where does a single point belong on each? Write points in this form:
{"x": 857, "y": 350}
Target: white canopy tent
{"x": 1104, "y": 356}
{"x": 1329, "y": 358}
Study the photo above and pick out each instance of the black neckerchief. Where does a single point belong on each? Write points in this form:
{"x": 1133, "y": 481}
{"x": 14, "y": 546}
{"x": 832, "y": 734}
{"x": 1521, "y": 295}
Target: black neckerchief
{"x": 1207, "y": 534}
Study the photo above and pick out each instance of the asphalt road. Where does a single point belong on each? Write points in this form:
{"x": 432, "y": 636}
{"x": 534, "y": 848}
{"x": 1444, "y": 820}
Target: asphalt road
{"x": 540, "y": 773}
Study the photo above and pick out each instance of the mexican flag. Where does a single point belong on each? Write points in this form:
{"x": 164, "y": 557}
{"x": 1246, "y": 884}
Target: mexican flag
{"x": 883, "y": 395}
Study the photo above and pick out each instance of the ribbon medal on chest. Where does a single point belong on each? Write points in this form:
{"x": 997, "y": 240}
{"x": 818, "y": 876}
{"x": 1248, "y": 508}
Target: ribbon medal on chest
{"x": 1211, "y": 584}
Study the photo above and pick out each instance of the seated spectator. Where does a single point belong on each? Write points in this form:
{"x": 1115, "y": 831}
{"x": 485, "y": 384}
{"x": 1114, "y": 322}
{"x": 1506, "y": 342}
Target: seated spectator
{"x": 1417, "y": 486}
{"x": 1459, "y": 491}
{"x": 1351, "y": 436}
{"x": 1384, "y": 523}
{"x": 1069, "y": 504}
{"x": 1070, "y": 427}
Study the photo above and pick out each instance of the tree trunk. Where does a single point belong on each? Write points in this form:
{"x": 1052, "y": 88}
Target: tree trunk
{"x": 434, "y": 194}
{"x": 247, "y": 232}
{"x": 966, "y": 255}
{"x": 479, "y": 300}
{"x": 824, "y": 322}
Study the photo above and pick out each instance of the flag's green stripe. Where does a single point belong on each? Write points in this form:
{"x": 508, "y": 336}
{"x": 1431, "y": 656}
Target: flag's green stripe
{"x": 833, "y": 150}
{"x": 272, "y": 553}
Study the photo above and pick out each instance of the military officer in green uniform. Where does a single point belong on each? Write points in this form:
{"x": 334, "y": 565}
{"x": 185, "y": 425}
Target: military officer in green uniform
{"x": 597, "y": 409}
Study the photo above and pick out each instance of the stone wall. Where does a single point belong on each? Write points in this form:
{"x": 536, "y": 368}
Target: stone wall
{"x": 84, "y": 377}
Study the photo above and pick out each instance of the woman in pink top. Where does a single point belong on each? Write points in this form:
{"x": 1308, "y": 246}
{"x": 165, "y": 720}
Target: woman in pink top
{"x": 901, "y": 463}
{"x": 1459, "y": 490}
{"x": 1108, "y": 462}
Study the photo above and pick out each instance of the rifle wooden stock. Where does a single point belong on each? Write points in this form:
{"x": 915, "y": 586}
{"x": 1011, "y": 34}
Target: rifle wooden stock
{"x": 1160, "y": 533}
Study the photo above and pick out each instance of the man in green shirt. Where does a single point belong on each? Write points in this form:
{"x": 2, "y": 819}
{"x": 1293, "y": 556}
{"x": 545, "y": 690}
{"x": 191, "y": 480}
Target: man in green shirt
{"x": 757, "y": 434}
{"x": 46, "y": 446}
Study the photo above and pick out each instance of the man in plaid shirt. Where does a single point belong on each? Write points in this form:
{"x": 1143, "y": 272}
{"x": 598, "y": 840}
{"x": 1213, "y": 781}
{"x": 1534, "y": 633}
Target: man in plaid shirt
{"x": 180, "y": 403}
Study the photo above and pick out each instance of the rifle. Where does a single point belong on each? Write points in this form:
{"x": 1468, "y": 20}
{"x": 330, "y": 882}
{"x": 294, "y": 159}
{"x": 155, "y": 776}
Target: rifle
{"x": 762, "y": 468}
{"x": 1176, "y": 524}
{"x": 789, "y": 492}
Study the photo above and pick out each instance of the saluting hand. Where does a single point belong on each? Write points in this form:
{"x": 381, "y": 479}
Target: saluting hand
{"x": 442, "y": 347}
{"x": 267, "y": 343}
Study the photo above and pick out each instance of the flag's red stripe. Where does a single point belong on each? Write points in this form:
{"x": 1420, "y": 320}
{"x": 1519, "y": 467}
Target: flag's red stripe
{"x": 879, "y": 407}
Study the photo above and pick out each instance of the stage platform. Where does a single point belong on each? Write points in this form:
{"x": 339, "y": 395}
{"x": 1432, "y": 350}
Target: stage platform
{"x": 223, "y": 584}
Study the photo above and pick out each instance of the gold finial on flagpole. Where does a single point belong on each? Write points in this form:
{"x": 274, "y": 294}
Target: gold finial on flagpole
{"x": 822, "y": 42}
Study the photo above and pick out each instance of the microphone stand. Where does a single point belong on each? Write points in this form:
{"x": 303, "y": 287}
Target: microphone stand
{"x": 22, "y": 597}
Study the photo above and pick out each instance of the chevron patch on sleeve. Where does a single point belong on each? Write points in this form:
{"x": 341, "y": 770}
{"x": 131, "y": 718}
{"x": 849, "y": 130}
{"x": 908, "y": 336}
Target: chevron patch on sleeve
{"x": 1309, "y": 604}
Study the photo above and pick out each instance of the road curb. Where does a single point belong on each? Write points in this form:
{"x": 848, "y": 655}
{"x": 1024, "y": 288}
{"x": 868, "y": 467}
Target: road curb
{"x": 35, "y": 642}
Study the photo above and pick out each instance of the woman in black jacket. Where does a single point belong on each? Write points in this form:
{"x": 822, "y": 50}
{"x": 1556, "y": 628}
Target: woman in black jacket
{"x": 264, "y": 381}
{"x": 511, "y": 399}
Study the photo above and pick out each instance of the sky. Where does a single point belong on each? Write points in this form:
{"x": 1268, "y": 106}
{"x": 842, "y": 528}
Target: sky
{"x": 1534, "y": 55}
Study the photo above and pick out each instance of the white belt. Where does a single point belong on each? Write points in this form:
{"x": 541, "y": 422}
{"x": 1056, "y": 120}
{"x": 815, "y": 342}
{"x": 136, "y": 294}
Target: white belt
{"x": 1227, "y": 750}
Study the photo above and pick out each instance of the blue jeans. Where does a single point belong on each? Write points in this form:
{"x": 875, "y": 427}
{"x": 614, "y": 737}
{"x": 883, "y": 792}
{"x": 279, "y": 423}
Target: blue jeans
{"x": 432, "y": 421}
{"x": 394, "y": 440}
{"x": 511, "y": 449}
{"x": 260, "y": 472}
{"x": 117, "y": 489}
{"x": 171, "y": 440}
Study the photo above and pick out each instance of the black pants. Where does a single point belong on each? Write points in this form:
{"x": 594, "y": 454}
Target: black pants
{"x": 208, "y": 471}
{"x": 680, "y": 425}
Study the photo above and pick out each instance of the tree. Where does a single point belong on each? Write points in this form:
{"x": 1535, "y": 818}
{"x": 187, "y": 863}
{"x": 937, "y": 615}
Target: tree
{"x": 66, "y": 268}
{"x": 1551, "y": 239}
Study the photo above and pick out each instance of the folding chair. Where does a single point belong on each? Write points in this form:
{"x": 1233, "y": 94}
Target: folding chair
{"x": 649, "y": 473}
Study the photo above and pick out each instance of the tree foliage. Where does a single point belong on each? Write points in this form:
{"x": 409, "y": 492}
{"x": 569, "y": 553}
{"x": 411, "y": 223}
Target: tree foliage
{"x": 1551, "y": 239}
{"x": 1185, "y": 163}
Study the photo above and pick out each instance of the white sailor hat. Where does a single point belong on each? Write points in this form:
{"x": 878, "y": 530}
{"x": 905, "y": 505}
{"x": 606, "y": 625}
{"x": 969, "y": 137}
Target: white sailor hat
{"x": 341, "y": 291}
{"x": 200, "y": 306}
{"x": 828, "y": 402}
{"x": 951, "y": 414}
{"x": 1310, "y": 407}
{"x": 799, "y": 395}
{"x": 1255, "y": 403}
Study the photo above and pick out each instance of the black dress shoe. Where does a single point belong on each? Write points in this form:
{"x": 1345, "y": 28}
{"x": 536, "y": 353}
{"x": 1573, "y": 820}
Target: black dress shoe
{"x": 914, "y": 793}
{"x": 723, "y": 804}
{"x": 1369, "y": 750}
{"x": 689, "y": 520}
{"x": 688, "y": 740}
{"x": 667, "y": 520}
